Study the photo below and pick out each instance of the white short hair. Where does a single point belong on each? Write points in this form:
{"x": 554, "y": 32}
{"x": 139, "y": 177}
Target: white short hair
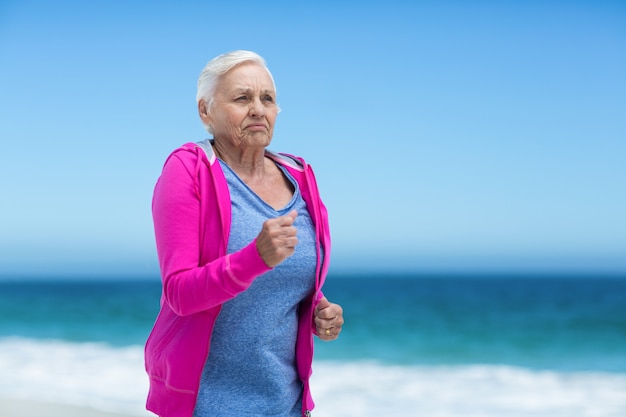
{"x": 219, "y": 66}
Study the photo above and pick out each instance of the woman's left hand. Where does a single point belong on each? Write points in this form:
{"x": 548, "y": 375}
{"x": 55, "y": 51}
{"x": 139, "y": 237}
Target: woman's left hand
{"x": 328, "y": 320}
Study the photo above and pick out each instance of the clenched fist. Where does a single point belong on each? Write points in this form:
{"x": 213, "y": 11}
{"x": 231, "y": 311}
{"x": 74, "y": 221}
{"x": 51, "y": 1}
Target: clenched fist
{"x": 277, "y": 240}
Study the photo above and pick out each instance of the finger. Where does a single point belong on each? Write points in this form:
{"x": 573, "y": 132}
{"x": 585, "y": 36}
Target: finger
{"x": 331, "y": 311}
{"x": 277, "y": 239}
{"x": 328, "y": 334}
{"x": 287, "y": 219}
{"x": 323, "y": 303}
{"x": 332, "y": 326}
{"x": 328, "y": 319}
{"x": 280, "y": 227}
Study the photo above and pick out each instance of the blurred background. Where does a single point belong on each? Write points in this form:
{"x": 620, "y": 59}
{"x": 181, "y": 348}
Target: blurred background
{"x": 471, "y": 155}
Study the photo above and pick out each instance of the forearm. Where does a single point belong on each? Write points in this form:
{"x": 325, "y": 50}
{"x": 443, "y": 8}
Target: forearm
{"x": 190, "y": 284}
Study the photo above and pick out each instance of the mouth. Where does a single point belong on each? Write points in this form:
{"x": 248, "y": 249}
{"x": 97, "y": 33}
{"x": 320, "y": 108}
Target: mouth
{"x": 256, "y": 126}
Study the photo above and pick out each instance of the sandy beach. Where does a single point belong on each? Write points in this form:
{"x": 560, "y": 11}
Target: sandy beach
{"x": 25, "y": 408}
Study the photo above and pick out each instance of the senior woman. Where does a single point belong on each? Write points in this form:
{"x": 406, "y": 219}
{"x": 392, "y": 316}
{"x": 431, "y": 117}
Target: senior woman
{"x": 243, "y": 245}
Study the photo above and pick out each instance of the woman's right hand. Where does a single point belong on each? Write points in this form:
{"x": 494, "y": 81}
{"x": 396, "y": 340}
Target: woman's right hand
{"x": 277, "y": 240}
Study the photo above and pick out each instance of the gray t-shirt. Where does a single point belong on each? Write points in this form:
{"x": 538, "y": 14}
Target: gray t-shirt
{"x": 251, "y": 368}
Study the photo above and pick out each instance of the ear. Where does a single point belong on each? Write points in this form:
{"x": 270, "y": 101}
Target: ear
{"x": 203, "y": 111}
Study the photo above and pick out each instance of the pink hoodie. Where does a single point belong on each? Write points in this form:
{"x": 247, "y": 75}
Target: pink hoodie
{"x": 191, "y": 212}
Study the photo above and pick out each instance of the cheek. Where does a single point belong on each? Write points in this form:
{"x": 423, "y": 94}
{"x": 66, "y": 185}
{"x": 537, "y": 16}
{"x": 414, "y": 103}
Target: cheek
{"x": 228, "y": 121}
{"x": 272, "y": 119}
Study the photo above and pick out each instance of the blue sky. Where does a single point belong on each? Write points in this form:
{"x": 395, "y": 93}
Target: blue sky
{"x": 446, "y": 136}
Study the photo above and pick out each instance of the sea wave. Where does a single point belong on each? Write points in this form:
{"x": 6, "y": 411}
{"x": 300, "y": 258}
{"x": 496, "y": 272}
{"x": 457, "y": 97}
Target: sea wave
{"x": 112, "y": 378}
{"x": 92, "y": 375}
{"x": 371, "y": 389}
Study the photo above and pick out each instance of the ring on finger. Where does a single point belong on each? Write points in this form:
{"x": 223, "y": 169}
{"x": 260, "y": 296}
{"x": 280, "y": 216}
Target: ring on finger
{"x": 327, "y": 332}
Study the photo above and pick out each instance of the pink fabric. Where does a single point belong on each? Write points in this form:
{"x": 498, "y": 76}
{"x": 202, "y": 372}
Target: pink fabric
{"x": 191, "y": 212}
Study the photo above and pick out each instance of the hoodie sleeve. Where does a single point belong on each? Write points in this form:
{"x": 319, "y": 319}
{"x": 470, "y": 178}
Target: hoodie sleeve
{"x": 188, "y": 286}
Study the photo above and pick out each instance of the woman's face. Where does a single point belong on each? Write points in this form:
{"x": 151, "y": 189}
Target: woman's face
{"x": 244, "y": 107}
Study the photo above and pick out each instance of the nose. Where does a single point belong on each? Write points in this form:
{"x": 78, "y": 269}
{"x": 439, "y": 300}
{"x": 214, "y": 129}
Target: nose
{"x": 256, "y": 108}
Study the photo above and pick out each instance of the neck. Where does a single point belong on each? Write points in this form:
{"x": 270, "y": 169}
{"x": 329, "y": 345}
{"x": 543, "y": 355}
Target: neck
{"x": 247, "y": 163}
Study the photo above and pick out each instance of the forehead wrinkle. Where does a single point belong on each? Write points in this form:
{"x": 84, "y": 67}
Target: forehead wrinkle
{"x": 251, "y": 89}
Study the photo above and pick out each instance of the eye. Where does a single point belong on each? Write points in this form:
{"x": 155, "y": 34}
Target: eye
{"x": 241, "y": 98}
{"x": 269, "y": 99}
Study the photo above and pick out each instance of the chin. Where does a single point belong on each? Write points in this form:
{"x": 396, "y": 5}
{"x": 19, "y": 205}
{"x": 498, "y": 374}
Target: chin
{"x": 259, "y": 140}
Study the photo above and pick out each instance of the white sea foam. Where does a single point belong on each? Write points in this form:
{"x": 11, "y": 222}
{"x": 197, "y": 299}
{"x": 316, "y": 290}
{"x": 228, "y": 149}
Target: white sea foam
{"x": 84, "y": 374}
{"x": 113, "y": 379}
{"x": 369, "y": 389}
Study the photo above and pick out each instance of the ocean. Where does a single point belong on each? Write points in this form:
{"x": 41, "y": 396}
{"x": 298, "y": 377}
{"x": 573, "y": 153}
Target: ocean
{"x": 412, "y": 345}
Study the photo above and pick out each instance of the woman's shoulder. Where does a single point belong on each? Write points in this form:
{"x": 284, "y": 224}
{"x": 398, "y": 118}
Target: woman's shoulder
{"x": 286, "y": 159}
{"x": 191, "y": 152}
{"x": 207, "y": 146}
